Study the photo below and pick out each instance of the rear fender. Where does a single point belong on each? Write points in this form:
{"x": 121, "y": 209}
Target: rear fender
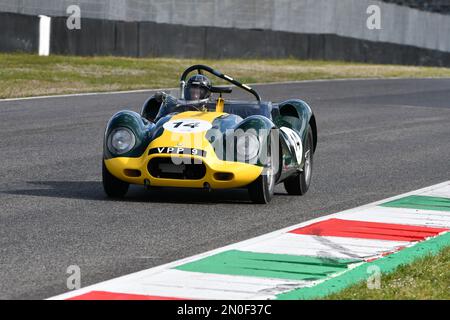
{"x": 296, "y": 115}
{"x": 150, "y": 108}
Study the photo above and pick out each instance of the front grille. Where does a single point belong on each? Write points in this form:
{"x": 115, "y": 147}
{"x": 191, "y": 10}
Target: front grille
{"x": 176, "y": 168}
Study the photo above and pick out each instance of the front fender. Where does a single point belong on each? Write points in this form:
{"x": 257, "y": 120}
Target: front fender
{"x": 260, "y": 126}
{"x": 255, "y": 122}
{"x": 138, "y": 125}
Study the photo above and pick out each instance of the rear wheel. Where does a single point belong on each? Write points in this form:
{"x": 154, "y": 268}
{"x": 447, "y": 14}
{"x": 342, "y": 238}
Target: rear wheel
{"x": 114, "y": 188}
{"x": 299, "y": 184}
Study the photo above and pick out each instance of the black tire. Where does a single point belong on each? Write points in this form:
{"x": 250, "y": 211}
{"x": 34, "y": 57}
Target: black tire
{"x": 114, "y": 188}
{"x": 259, "y": 190}
{"x": 299, "y": 183}
{"x": 262, "y": 189}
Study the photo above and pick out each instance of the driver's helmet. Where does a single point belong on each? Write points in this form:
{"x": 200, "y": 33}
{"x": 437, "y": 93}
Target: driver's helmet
{"x": 198, "y": 87}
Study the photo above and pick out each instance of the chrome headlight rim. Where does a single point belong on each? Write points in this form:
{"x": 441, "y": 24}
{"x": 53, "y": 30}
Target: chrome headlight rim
{"x": 113, "y": 134}
{"x": 247, "y": 146}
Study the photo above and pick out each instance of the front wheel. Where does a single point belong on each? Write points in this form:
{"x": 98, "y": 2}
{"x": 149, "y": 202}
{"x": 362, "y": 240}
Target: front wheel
{"x": 262, "y": 189}
{"x": 299, "y": 184}
{"x": 114, "y": 188}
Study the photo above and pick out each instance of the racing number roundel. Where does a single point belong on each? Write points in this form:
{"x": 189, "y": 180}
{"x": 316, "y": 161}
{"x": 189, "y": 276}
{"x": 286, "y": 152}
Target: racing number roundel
{"x": 187, "y": 125}
{"x": 295, "y": 141}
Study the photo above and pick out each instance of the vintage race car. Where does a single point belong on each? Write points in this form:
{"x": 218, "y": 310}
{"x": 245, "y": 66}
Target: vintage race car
{"x": 211, "y": 143}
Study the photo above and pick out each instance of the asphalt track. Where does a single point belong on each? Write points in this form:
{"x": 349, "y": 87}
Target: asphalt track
{"x": 377, "y": 138}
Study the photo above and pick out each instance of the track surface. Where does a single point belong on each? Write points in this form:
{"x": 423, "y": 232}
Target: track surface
{"x": 377, "y": 138}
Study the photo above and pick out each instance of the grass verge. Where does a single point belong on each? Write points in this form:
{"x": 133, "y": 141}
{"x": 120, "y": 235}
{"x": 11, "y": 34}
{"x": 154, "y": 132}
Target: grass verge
{"x": 425, "y": 278}
{"x": 23, "y": 75}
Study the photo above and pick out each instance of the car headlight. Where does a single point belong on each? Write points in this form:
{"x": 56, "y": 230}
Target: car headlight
{"x": 247, "y": 146}
{"x": 121, "y": 140}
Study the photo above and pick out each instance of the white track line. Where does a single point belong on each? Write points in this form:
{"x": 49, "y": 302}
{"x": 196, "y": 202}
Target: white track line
{"x": 82, "y": 94}
{"x": 170, "y": 89}
{"x": 135, "y": 280}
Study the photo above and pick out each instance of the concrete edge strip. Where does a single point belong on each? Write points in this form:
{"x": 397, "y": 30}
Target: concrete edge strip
{"x": 172, "y": 265}
{"x": 252, "y": 84}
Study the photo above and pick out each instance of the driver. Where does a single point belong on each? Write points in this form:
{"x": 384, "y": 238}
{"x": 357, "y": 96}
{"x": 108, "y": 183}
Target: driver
{"x": 198, "y": 87}
{"x": 196, "y": 94}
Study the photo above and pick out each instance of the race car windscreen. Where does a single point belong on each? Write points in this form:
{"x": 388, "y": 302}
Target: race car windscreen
{"x": 181, "y": 105}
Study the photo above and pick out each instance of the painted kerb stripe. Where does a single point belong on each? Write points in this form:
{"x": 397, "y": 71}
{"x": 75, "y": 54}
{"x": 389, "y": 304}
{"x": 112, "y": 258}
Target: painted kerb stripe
{"x": 283, "y": 266}
{"x": 244, "y": 271}
{"x": 420, "y": 202}
{"x": 103, "y": 295}
{"x": 386, "y": 264}
{"x": 369, "y": 230}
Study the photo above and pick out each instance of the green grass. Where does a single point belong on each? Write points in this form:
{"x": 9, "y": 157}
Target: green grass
{"x": 425, "y": 278}
{"x": 29, "y": 75}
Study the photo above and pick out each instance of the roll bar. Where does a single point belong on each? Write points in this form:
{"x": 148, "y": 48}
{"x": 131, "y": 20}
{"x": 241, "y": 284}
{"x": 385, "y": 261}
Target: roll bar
{"x": 200, "y": 68}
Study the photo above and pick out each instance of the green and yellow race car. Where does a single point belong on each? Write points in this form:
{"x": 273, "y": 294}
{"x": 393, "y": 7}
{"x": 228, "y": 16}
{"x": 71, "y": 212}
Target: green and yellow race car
{"x": 197, "y": 141}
